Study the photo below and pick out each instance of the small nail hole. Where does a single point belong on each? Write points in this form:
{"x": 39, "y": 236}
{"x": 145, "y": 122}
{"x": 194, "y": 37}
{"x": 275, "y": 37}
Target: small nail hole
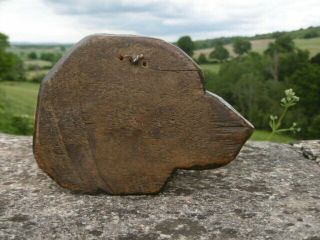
{"x": 121, "y": 57}
{"x": 144, "y": 63}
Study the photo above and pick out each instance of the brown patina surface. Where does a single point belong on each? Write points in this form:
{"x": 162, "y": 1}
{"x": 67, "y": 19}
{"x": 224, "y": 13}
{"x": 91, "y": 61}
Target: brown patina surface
{"x": 106, "y": 123}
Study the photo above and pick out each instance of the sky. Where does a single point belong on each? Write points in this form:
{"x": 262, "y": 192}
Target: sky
{"x": 68, "y": 21}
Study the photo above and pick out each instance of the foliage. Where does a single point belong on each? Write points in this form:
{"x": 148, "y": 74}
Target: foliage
{"x": 291, "y": 62}
{"x": 311, "y": 34}
{"x": 282, "y": 44}
{"x": 32, "y": 55}
{"x": 4, "y": 43}
{"x": 4, "y": 122}
{"x": 33, "y": 67}
{"x": 186, "y": 44}
{"x": 241, "y": 46}
{"x": 315, "y": 59}
{"x": 262, "y": 135}
{"x": 219, "y": 53}
{"x": 202, "y": 59}
{"x": 37, "y": 78}
{"x": 306, "y": 83}
{"x": 314, "y": 128}
{"x": 13, "y": 123}
{"x": 287, "y": 102}
{"x": 51, "y": 57}
{"x": 22, "y": 124}
{"x": 17, "y": 106}
{"x": 11, "y": 66}
{"x": 248, "y": 84}
{"x": 284, "y": 58}
{"x": 2, "y": 101}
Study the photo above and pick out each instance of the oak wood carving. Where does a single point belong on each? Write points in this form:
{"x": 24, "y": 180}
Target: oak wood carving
{"x": 120, "y": 114}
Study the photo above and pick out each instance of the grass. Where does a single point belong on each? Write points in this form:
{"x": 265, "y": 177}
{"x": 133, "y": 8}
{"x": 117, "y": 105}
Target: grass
{"x": 262, "y": 135}
{"x": 38, "y": 62}
{"x": 35, "y": 73}
{"x": 22, "y": 96}
{"x": 210, "y": 67}
{"x": 312, "y": 44}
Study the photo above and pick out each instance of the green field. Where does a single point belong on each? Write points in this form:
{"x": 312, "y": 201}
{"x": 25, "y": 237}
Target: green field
{"x": 39, "y": 62}
{"x": 210, "y": 67}
{"x": 22, "y": 97}
{"x": 312, "y": 44}
{"x": 261, "y": 135}
{"x": 35, "y": 73}
{"x": 23, "y": 51}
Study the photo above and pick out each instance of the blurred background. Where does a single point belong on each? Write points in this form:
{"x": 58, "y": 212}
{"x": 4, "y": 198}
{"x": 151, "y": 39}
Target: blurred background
{"x": 250, "y": 51}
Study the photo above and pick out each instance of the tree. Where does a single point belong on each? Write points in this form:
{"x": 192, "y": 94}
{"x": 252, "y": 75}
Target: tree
{"x": 306, "y": 83}
{"x": 241, "y": 46}
{"x": 4, "y": 43}
{"x": 51, "y": 57}
{"x": 314, "y": 128}
{"x": 219, "y": 53}
{"x": 11, "y": 66}
{"x": 315, "y": 59}
{"x": 186, "y": 44}
{"x": 291, "y": 62}
{"x": 202, "y": 59}
{"x": 32, "y": 55}
{"x": 283, "y": 44}
{"x": 311, "y": 34}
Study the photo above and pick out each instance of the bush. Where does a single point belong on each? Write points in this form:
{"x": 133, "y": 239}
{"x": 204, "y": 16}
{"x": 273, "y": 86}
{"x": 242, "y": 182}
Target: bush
{"x": 38, "y": 78}
{"x": 11, "y": 66}
{"x": 51, "y": 57}
{"x": 13, "y": 123}
{"x": 311, "y": 34}
{"x": 314, "y": 129}
{"x": 46, "y": 67}
{"x": 32, "y": 67}
{"x": 186, "y": 44}
{"x": 315, "y": 59}
{"x": 2, "y": 101}
{"x": 22, "y": 124}
{"x": 202, "y": 59}
{"x": 241, "y": 46}
{"x": 210, "y": 80}
{"x": 32, "y": 55}
{"x": 220, "y": 53}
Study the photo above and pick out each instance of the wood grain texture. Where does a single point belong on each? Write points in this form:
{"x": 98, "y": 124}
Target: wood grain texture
{"x": 105, "y": 124}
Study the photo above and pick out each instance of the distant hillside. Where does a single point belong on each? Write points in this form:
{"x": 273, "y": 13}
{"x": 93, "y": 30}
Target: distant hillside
{"x": 307, "y": 33}
{"x": 27, "y": 45}
{"x": 303, "y": 33}
{"x": 259, "y": 45}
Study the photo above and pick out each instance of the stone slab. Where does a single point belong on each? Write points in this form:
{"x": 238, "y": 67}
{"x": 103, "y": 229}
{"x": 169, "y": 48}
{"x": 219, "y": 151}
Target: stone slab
{"x": 271, "y": 191}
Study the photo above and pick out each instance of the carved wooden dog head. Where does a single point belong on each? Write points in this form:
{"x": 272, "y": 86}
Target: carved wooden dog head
{"x": 121, "y": 113}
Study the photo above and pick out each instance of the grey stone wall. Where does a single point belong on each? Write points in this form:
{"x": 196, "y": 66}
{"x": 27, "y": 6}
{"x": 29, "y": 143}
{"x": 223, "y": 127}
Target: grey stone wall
{"x": 271, "y": 191}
